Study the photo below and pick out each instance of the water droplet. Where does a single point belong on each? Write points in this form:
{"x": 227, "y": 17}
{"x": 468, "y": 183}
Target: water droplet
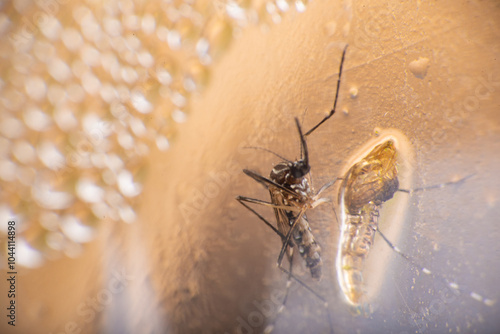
{"x": 23, "y": 152}
{"x": 90, "y": 55}
{"x": 11, "y": 127}
{"x": 330, "y": 28}
{"x": 300, "y": 6}
{"x": 55, "y": 240}
{"x": 112, "y": 26}
{"x": 26, "y": 175}
{"x": 35, "y": 88}
{"x": 131, "y": 22}
{"x": 162, "y": 143}
{"x": 49, "y": 220}
{"x": 72, "y": 39}
{"x": 419, "y": 67}
{"x": 202, "y": 47}
{"x": 50, "y": 199}
{"x": 73, "y": 250}
{"x": 44, "y": 50}
{"x": 65, "y": 119}
{"x": 174, "y": 39}
{"x": 100, "y": 210}
{"x": 148, "y": 24}
{"x": 140, "y": 103}
{"x": 129, "y": 75}
{"x": 51, "y": 27}
{"x": 90, "y": 83}
{"x": 36, "y": 119}
{"x": 56, "y": 94}
{"x": 4, "y": 23}
{"x": 7, "y": 170}
{"x": 27, "y": 256}
{"x": 137, "y": 126}
{"x": 353, "y": 92}
{"x": 282, "y": 5}
{"x": 75, "y": 93}
{"x": 145, "y": 59}
{"x": 89, "y": 192}
{"x": 127, "y": 185}
{"x": 127, "y": 214}
{"x": 178, "y": 99}
{"x": 235, "y": 11}
{"x": 163, "y": 76}
{"x": 75, "y": 230}
{"x": 50, "y": 156}
{"x": 179, "y": 116}
{"x": 125, "y": 140}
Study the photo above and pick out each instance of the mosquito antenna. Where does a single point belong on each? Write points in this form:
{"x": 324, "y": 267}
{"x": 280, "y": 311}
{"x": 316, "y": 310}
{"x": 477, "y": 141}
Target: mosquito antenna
{"x": 302, "y": 122}
{"x": 303, "y": 143}
{"x": 336, "y": 95}
{"x": 268, "y": 151}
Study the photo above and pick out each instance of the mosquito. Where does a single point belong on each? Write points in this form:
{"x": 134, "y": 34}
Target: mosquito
{"x": 366, "y": 186}
{"x": 291, "y": 196}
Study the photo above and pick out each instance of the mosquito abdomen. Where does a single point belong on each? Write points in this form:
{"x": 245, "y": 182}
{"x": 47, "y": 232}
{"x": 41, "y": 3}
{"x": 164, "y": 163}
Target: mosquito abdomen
{"x": 308, "y": 247}
{"x": 357, "y": 239}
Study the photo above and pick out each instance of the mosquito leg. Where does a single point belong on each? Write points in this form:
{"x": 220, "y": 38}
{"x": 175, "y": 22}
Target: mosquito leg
{"x": 437, "y": 186}
{"x": 286, "y": 240}
{"x": 242, "y": 200}
{"x": 336, "y": 96}
{"x": 323, "y": 300}
{"x": 453, "y": 285}
{"x": 288, "y": 282}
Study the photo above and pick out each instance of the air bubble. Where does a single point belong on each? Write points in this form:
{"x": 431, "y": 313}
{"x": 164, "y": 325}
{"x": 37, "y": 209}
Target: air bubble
{"x": 353, "y": 92}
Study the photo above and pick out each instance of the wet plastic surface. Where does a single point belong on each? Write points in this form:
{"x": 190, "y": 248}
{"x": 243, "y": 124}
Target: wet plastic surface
{"x": 446, "y": 105}
{"x": 201, "y": 263}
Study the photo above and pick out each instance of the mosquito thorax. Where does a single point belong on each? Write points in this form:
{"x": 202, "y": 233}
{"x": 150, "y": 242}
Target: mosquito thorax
{"x": 288, "y": 173}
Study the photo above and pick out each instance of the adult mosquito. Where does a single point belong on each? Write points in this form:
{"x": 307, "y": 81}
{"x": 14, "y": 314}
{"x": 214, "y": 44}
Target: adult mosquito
{"x": 291, "y": 196}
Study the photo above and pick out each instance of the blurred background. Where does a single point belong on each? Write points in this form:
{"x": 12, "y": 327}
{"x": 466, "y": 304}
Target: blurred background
{"x": 124, "y": 128}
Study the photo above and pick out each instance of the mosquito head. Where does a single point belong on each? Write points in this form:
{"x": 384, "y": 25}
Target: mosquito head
{"x": 300, "y": 168}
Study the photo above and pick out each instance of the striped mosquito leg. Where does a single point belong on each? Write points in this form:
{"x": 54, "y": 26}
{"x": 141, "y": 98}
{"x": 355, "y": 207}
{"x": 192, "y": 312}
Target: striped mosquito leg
{"x": 453, "y": 285}
{"x": 323, "y": 300}
{"x": 437, "y": 186}
{"x": 286, "y": 239}
{"x": 269, "y": 328}
{"x": 243, "y": 199}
